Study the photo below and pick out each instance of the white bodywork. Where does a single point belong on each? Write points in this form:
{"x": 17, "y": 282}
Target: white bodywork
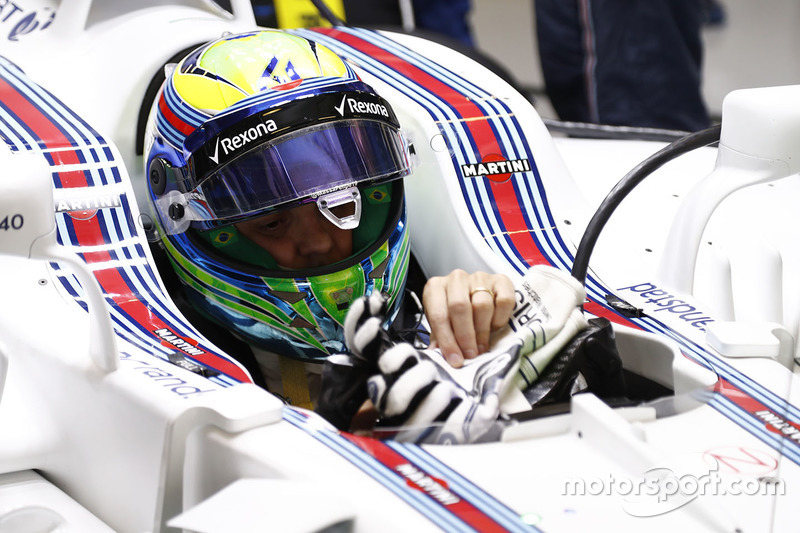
{"x": 98, "y": 432}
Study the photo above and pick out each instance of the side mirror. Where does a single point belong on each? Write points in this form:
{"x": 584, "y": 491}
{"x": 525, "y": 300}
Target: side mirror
{"x": 759, "y": 143}
{"x": 26, "y": 204}
{"x": 28, "y": 229}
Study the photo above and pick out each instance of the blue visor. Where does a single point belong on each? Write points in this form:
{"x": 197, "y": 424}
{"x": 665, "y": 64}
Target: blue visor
{"x": 299, "y": 167}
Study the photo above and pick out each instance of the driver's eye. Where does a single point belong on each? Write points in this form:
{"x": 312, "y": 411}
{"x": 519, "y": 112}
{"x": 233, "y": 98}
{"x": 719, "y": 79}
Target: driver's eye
{"x": 273, "y": 224}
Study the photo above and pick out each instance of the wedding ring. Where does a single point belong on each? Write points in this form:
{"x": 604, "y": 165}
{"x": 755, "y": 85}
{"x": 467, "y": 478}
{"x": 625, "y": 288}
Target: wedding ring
{"x": 481, "y": 289}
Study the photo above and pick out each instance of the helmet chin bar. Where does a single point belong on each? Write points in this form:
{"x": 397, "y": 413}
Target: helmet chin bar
{"x": 328, "y": 201}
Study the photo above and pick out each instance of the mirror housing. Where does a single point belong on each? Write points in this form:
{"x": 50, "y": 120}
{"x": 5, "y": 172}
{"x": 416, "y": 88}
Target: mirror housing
{"x": 28, "y": 229}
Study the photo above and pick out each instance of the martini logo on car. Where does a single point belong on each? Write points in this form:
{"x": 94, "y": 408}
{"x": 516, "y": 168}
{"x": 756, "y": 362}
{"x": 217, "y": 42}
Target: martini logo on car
{"x": 496, "y": 168}
{"x": 86, "y": 208}
{"x": 780, "y": 425}
{"x": 436, "y": 488}
{"x": 240, "y": 140}
{"x": 172, "y": 339}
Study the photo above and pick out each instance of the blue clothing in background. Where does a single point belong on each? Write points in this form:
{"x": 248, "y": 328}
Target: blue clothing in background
{"x": 447, "y": 17}
{"x": 624, "y": 62}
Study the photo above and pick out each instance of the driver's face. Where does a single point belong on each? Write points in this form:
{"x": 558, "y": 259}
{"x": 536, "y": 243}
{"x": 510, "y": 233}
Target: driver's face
{"x": 299, "y": 238}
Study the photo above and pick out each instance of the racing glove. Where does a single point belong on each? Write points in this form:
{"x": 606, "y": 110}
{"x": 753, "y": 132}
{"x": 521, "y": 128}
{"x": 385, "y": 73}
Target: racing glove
{"x": 418, "y": 399}
{"x": 427, "y": 400}
{"x": 343, "y": 389}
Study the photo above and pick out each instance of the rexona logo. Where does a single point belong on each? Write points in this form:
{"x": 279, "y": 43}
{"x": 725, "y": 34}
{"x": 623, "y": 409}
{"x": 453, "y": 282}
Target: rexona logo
{"x": 242, "y": 139}
{"x": 495, "y": 168}
{"x": 361, "y": 107}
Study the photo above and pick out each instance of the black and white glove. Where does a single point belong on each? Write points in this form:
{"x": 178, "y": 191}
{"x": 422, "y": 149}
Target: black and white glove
{"x": 425, "y": 400}
{"x": 344, "y": 376}
{"x": 422, "y": 403}
{"x": 364, "y": 331}
{"x": 417, "y": 399}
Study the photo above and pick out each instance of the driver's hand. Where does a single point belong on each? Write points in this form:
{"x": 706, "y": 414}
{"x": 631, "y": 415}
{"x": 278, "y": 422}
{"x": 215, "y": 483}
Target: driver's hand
{"x": 463, "y": 309}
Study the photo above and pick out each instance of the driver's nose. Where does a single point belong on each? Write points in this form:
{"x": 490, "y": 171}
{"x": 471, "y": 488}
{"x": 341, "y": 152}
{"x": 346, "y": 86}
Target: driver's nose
{"x": 318, "y": 240}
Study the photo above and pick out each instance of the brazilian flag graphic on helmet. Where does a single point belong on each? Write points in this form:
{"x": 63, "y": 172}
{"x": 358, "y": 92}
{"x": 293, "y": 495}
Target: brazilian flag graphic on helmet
{"x": 257, "y": 129}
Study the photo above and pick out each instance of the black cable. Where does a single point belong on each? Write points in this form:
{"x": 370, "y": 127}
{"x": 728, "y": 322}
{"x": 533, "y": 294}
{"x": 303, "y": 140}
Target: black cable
{"x": 327, "y": 14}
{"x": 633, "y": 178}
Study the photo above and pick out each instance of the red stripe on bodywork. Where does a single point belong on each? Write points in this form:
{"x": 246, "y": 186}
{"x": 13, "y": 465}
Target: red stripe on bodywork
{"x": 790, "y": 428}
{"x": 462, "y": 508}
{"x": 88, "y": 232}
{"x": 598, "y": 309}
{"x": 129, "y": 302}
{"x": 72, "y": 179}
{"x": 38, "y": 123}
{"x": 115, "y": 286}
{"x": 65, "y": 157}
{"x": 476, "y": 121}
{"x": 96, "y": 257}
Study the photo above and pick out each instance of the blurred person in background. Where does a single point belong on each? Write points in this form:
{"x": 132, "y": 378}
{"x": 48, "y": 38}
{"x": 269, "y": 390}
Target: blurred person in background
{"x": 623, "y": 62}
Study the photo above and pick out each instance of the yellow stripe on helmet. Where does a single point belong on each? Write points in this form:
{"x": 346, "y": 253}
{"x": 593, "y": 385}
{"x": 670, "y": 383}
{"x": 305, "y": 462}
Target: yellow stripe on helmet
{"x": 244, "y": 65}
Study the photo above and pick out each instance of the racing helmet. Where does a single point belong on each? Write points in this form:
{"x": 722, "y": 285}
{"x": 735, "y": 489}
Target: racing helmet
{"x": 256, "y": 123}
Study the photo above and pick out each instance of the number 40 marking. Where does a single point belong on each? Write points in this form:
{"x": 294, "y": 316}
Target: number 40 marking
{"x": 11, "y": 222}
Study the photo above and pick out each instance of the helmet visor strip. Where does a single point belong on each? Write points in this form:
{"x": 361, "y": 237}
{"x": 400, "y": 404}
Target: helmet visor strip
{"x": 299, "y": 168}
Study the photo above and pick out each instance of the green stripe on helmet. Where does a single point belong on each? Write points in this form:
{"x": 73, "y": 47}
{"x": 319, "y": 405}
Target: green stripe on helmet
{"x": 397, "y": 276}
{"x": 262, "y": 309}
{"x": 336, "y": 291}
{"x": 288, "y": 291}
